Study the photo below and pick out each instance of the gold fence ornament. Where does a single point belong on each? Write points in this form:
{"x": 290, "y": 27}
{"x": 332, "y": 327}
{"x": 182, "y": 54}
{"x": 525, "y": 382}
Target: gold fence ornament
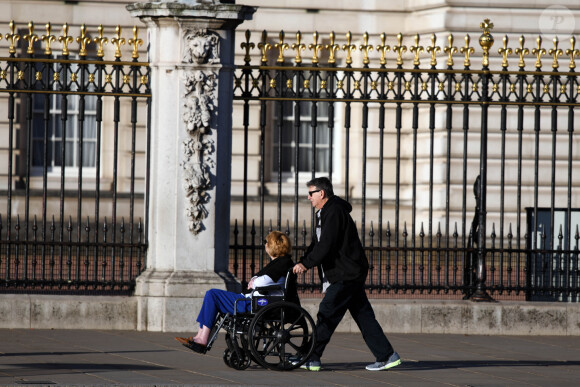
{"x": 332, "y": 47}
{"x": 505, "y": 51}
{"x": 539, "y": 52}
{"x": 264, "y": 46}
{"x": 486, "y": 40}
{"x": 315, "y": 47}
{"x": 572, "y": 52}
{"x": 12, "y": 37}
{"x": 83, "y": 41}
{"x": 298, "y": 46}
{"x": 383, "y": 48}
{"x": 365, "y": 48}
{"x": 450, "y": 49}
{"x": 118, "y": 41}
{"x": 522, "y": 51}
{"x": 135, "y": 41}
{"x": 555, "y": 52}
{"x": 100, "y": 41}
{"x": 65, "y": 39}
{"x": 31, "y": 37}
{"x": 348, "y": 47}
{"x": 48, "y": 39}
{"x": 467, "y": 50}
{"x": 433, "y": 50}
{"x": 399, "y": 49}
{"x": 416, "y": 49}
{"x": 281, "y": 47}
{"x": 247, "y": 45}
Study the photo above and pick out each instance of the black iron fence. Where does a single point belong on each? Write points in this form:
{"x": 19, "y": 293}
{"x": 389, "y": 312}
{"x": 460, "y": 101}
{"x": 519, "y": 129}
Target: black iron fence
{"x": 73, "y": 162}
{"x": 405, "y": 142}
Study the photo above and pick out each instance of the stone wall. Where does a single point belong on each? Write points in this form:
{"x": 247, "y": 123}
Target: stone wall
{"x": 396, "y": 316}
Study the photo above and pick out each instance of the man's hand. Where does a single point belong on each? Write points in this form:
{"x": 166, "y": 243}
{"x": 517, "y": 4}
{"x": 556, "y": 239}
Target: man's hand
{"x": 299, "y": 268}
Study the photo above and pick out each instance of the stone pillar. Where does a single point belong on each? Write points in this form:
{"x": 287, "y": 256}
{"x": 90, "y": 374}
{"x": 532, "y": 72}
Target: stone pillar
{"x": 191, "y": 54}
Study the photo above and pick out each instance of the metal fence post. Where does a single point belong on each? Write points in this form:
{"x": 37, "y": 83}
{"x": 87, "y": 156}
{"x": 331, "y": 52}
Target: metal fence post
{"x": 486, "y": 41}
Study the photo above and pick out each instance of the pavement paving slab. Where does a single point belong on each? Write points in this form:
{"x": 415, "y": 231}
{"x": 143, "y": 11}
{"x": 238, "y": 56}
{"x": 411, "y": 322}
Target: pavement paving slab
{"x": 130, "y": 358}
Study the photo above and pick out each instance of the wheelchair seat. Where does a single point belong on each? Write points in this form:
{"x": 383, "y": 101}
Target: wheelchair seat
{"x": 260, "y": 296}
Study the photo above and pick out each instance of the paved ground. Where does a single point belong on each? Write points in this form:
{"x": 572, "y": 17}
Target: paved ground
{"x": 66, "y": 357}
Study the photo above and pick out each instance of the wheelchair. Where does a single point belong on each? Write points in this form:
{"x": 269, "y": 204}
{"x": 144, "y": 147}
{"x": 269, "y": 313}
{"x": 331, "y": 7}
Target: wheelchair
{"x": 277, "y": 333}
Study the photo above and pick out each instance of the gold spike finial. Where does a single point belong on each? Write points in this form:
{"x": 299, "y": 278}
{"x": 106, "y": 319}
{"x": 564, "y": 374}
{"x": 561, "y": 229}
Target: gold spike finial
{"x": 383, "y": 48}
{"x": 332, "y": 48}
{"x": 298, "y": 46}
{"x": 83, "y": 40}
{"x": 572, "y": 52}
{"x": 555, "y": 52}
{"x": 416, "y": 49}
{"x": 65, "y": 39}
{"x": 433, "y": 49}
{"x": 135, "y": 41}
{"x": 450, "y": 49}
{"x": 504, "y": 51}
{"x": 348, "y": 47}
{"x": 281, "y": 46}
{"x": 12, "y": 37}
{"x": 48, "y": 39}
{"x": 399, "y": 49}
{"x": 539, "y": 52}
{"x": 118, "y": 41}
{"x": 100, "y": 41}
{"x": 365, "y": 48}
{"x": 467, "y": 50}
{"x": 315, "y": 47}
{"x": 31, "y": 37}
{"x": 247, "y": 45}
{"x": 264, "y": 46}
{"x": 521, "y": 51}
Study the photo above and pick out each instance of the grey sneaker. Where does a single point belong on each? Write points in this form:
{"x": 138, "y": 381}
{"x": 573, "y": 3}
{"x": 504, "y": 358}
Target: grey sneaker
{"x": 393, "y": 361}
{"x": 312, "y": 365}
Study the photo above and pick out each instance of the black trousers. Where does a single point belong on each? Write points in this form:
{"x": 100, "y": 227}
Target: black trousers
{"x": 339, "y": 298}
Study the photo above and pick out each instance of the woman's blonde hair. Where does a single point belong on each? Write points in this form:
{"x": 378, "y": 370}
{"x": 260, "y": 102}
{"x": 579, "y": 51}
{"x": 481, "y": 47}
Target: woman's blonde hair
{"x": 278, "y": 244}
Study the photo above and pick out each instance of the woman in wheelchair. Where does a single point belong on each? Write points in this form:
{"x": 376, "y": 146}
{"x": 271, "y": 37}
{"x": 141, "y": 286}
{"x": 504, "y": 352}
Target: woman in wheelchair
{"x": 278, "y": 248}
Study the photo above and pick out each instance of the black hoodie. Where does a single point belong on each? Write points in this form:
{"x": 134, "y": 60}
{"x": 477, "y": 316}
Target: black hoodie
{"x": 339, "y": 251}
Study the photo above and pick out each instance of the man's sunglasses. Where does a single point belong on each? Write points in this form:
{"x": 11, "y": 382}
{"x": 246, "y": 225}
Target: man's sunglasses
{"x": 310, "y": 193}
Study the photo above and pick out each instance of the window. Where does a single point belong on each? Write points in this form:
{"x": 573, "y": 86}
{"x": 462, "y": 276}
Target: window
{"x": 289, "y": 142}
{"x": 54, "y": 130}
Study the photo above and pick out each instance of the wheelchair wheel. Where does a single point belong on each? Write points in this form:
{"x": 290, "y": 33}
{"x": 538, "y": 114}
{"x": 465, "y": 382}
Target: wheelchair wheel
{"x": 233, "y": 360}
{"x": 279, "y": 333}
{"x": 226, "y": 357}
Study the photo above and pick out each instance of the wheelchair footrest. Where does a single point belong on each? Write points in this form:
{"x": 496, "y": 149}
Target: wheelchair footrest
{"x": 189, "y": 343}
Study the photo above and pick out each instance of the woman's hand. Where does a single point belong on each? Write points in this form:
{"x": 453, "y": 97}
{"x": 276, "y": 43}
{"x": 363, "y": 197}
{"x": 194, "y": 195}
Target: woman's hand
{"x": 251, "y": 283}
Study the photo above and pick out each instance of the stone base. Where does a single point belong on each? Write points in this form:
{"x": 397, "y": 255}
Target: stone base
{"x": 177, "y": 314}
{"x": 169, "y": 301}
{"x": 33, "y": 311}
{"x": 467, "y": 317}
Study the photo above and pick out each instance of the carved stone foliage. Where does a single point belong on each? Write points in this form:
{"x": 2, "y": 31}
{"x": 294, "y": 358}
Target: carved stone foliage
{"x": 199, "y": 107}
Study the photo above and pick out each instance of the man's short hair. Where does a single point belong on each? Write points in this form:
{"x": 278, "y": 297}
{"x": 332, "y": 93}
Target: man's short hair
{"x": 279, "y": 244}
{"x": 322, "y": 183}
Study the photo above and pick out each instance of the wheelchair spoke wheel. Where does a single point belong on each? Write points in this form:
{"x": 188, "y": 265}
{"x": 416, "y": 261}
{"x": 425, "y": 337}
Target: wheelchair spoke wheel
{"x": 281, "y": 336}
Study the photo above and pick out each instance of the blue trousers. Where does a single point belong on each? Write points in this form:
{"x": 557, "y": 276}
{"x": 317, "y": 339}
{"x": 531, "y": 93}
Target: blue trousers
{"x": 217, "y": 300}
